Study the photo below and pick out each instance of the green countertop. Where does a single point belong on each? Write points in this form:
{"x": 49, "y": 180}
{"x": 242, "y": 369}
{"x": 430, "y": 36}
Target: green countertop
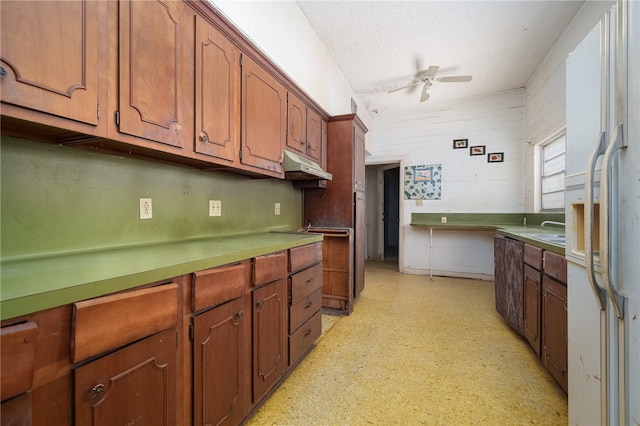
{"x": 512, "y": 225}
{"x": 38, "y": 283}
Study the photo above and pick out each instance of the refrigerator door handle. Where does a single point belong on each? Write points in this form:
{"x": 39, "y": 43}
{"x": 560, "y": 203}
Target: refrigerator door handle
{"x": 598, "y": 291}
{"x": 605, "y": 215}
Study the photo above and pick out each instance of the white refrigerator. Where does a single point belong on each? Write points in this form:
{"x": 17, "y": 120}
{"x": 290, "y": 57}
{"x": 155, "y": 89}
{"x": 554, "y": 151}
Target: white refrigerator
{"x": 603, "y": 221}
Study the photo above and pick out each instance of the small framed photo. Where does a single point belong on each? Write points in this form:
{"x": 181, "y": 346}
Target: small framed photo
{"x": 476, "y": 150}
{"x": 460, "y": 143}
{"x": 495, "y": 157}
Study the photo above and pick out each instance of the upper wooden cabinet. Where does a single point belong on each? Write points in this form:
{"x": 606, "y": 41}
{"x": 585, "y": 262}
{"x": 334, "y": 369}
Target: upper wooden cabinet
{"x": 304, "y": 130}
{"x": 154, "y": 53}
{"x": 264, "y": 119}
{"x": 50, "y": 57}
{"x": 217, "y": 84}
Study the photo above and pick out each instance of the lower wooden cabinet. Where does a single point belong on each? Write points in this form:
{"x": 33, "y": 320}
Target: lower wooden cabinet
{"x": 508, "y": 281}
{"x": 269, "y": 336}
{"x": 554, "y": 330}
{"x": 134, "y": 385}
{"x": 222, "y": 364}
{"x": 532, "y": 306}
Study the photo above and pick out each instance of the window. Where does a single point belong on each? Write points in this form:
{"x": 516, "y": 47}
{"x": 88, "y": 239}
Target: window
{"x": 552, "y": 174}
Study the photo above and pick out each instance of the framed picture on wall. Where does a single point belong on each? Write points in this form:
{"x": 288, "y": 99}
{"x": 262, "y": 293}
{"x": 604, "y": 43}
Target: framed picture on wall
{"x": 495, "y": 157}
{"x": 476, "y": 150}
{"x": 460, "y": 143}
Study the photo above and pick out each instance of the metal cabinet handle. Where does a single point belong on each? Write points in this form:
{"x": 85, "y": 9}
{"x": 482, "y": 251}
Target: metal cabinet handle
{"x": 204, "y": 137}
{"x": 97, "y": 391}
{"x": 3, "y": 72}
{"x": 240, "y": 315}
{"x": 260, "y": 304}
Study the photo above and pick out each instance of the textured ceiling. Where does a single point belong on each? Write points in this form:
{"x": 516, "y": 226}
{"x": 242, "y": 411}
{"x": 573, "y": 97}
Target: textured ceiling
{"x": 379, "y": 45}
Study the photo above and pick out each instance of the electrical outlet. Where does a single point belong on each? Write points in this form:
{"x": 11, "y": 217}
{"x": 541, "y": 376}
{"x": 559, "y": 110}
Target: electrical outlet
{"x": 277, "y": 209}
{"x": 443, "y": 219}
{"x": 215, "y": 208}
{"x": 146, "y": 210}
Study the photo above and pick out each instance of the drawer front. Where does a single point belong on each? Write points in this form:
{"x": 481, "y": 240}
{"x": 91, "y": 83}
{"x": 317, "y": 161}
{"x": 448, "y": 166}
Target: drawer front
{"x": 305, "y": 308}
{"x": 555, "y": 265}
{"x": 303, "y": 339}
{"x": 218, "y": 285}
{"x": 533, "y": 256}
{"x": 306, "y": 282}
{"x": 18, "y": 345}
{"x": 304, "y": 256}
{"x": 269, "y": 268}
{"x": 108, "y": 322}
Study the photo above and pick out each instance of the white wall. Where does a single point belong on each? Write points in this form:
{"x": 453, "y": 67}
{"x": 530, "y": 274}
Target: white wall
{"x": 545, "y": 90}
{"x": 281, "y": 31}
{"x": 469, "y": 183}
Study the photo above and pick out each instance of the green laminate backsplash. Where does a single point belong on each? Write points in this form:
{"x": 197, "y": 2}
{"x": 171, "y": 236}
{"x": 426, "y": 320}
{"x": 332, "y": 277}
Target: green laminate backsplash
{"x": 57, "y": 199}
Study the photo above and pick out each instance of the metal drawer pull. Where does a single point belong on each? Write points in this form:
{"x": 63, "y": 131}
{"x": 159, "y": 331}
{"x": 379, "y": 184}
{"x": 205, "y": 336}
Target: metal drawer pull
{"x": 308, "y": 305}
{"x": 204, "y": 137}
{"x": 3, "y": 72}
{"x": 307, "y": 333}
{"x": 309, "y": 280}
{"x": 240, "y": 315}
{"x": 97, "y": 391}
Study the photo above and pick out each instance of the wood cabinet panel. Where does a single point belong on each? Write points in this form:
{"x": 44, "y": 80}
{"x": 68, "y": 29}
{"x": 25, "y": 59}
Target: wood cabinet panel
{"x": 304, "y": 256}
{"x": 108, "y": 322}
{"x": 533, "y": 256}
{"x": 218, "y": 285}
{"x": 269, "y": 268}
{"x": 50, "y": 56}
{"x": 217, "y": 94}
{"x": 269, "y": 336}
{"x": 222, "y": 363}
{"x": 264, "y": 119}
{"x": 303, "y": 309}
{"x": 302, "y": 340}
{"x": 314, "y": 147}
{"x": 153, "y": 55}
{"x": 135, "y": 385}
{"x": 17, "y": 411}
{"x": 18, "y": 344}
{"x": 306, "y": 282}
{"x": 509, "y": 275}
{"x": 554, "y": 330}
{"x": 555, "y": 265}
{"x": 532, "y": 289}
{"x": 296, "y": 124}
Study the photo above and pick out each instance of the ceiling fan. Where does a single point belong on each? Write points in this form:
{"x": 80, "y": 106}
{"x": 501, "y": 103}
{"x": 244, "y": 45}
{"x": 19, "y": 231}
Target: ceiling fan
{"x": 428, "y": 77}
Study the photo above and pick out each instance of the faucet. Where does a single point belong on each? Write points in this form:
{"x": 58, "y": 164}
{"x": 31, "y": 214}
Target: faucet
{"x": 551, "y": 222}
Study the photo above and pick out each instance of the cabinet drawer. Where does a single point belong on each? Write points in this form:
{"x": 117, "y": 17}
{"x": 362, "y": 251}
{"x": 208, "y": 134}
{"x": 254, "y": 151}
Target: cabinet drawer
{"x": 218, "y": 285}
{"x": 533, "y": 256}
{"x": 269, "y": 268}
{"x": 555, "y": 265}
{"x": 306, "y": 282}
{"x": 303, "y": 339}
{"x": 301, "y": 311}
{"x": 18, "y": 357}
{"x": 108, "y": 322}
{"x": 304, "y": 256}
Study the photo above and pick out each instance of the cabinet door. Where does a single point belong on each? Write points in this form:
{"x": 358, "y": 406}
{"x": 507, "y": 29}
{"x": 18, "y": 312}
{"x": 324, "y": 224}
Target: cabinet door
{"x": 135, "y": 385}
{"x": 50, "y": 56}
{"x": 532, "y": 294}
{"x": 217, "y": 103}
{"x": 153, "y": 99}
{"x": 269, "y": 336}
{"x": 314, "y": 136}
{"x": 297, "y": 125}
{"x": 222, "y": 364}
{"x": 509, "y": 273}
{"x": 554, "y": 330}
{"x": 264, "y": 119}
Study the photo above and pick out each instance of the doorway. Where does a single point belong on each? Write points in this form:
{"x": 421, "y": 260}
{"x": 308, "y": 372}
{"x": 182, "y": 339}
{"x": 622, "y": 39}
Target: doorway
{"x": 391, "y": 213}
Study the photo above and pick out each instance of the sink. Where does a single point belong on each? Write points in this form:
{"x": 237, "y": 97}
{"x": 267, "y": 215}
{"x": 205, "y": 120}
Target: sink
{"x": 558, "y": 239}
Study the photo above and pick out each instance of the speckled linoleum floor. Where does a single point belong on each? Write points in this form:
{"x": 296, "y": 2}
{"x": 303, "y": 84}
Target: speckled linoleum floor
{"x": 418, "y": 352}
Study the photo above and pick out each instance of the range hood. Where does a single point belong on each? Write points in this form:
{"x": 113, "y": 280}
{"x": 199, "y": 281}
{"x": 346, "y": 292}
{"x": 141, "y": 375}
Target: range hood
{"x": 297, "y": 167}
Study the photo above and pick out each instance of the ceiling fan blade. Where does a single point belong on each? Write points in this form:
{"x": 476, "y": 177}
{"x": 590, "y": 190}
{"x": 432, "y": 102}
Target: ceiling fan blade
{"x": 404, "y": 87}
{"x": 425, "y": 92}
{"x": 455, "y": 79}
{"x": 433, "y": 69}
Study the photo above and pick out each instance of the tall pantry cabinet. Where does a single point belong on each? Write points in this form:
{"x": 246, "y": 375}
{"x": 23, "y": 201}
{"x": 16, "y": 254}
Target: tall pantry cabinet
{"x": 341, "y": 204}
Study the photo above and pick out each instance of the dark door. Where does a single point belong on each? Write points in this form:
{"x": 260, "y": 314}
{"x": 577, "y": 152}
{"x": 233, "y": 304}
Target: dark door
{"x": 391, "y": 212}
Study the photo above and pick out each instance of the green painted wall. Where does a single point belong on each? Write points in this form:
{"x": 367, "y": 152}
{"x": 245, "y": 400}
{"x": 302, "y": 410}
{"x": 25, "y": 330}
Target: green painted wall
{"x": 58, "y": 199}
